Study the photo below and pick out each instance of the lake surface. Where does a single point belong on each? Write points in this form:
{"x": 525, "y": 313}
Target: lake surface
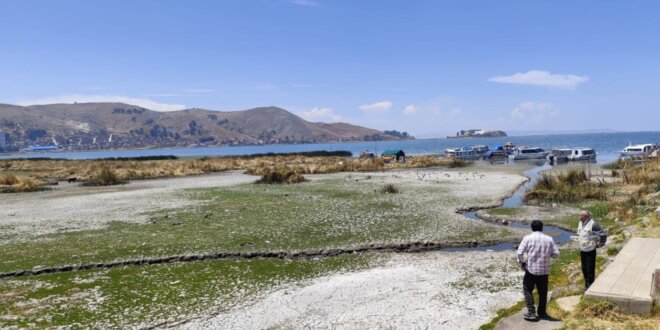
{"x": 606, "y": 144}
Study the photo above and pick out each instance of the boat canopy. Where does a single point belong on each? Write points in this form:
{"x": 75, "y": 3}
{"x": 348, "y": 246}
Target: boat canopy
{"x": 393, "y": 152}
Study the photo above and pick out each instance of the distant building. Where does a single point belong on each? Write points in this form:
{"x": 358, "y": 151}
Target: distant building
{"x": 477, "y": 133}
{"x": 3, "y": 140}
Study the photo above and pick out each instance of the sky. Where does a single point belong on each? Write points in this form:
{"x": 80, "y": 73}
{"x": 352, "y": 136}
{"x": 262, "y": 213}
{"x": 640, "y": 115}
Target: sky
{"x": 425, "y": 67}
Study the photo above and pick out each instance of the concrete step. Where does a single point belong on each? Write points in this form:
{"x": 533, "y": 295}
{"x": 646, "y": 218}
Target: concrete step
{"x": 628, "y": 280}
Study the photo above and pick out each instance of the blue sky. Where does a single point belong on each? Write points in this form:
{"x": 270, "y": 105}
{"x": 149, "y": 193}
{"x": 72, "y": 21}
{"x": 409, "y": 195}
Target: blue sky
{"x": 426, "y": 67}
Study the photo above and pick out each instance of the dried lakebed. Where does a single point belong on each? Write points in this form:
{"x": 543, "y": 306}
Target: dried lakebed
{"x": 333, "y": 211}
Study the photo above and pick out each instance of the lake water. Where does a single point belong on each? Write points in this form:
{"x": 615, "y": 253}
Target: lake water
{"x": 606, "y": 144}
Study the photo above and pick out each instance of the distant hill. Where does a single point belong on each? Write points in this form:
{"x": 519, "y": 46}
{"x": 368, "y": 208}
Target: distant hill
{"x": 84, "y": 126}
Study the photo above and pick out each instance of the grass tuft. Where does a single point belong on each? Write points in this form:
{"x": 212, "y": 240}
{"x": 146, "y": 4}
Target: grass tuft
{"x": 105, "y": 177}
{"x": 389, "y": 189}
{"x": 281, "y": 175}
{"x": 600, "y": 309}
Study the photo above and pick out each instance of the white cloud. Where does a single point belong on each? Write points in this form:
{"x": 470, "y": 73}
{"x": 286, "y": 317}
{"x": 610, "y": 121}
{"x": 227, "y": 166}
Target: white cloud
{"x": 410, "y": 110}
{"x": 320, "y": 114}
{"x": 304, "y": 2}
{"x": 534, "y": 111}
{"x": 542, "y": 78}
{"x": 145, "y": 103}
{"x": 376, "y": 107}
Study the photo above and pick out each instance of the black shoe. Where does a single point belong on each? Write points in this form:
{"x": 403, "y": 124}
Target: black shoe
{"x": 529, "y": 316}
{"x": 547, "y": 317}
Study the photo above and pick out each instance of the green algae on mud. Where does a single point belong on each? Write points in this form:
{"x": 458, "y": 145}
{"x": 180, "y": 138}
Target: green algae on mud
{"x": 325, "y": 213}
{"x": 151, "y": 295}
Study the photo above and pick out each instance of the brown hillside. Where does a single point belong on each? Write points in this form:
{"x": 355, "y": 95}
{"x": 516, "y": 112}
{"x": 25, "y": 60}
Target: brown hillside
{"x": 119, "y": 125}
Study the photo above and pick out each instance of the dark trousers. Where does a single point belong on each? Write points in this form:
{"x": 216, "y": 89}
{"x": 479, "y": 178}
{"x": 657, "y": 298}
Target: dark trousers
{"x": 541, "y": 283}
{"x": 588, "y": 260}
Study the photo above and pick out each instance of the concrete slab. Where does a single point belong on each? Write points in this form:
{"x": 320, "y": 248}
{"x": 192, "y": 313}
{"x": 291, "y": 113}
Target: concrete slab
{"x": 568, "y": 303}
{"x": 517, "y": 322}
{"x": 628, "y": 280}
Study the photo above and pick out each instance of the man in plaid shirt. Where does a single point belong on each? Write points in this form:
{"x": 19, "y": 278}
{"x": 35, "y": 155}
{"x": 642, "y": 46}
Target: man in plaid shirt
{"x": 539, "y": 248}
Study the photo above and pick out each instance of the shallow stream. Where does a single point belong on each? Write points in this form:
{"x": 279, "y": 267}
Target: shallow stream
{"x": 516, "y": 200}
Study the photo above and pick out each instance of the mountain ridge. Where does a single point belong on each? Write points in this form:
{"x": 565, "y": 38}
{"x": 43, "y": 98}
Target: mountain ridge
{"x": 100, "y": 125}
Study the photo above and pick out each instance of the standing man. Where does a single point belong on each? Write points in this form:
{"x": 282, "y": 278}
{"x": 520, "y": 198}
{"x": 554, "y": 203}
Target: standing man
{"x": 539, "y": 248}
{"x": 590, "y": 237}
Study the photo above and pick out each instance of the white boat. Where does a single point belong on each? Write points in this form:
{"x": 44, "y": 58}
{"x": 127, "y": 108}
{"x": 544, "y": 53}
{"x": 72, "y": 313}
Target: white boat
{"x": 521, "y": 153}
{"x": 462, "y": 153}
{"x": 481, "y": 149}
{"x": 560, "y": 155}
{"x": 582, "y": 153}
{"x": 638, "y": 150}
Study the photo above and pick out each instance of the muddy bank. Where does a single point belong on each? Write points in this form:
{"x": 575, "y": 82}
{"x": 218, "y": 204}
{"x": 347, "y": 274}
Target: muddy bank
{"x": 293, "y": 255}
{"x": 527, "y": 213}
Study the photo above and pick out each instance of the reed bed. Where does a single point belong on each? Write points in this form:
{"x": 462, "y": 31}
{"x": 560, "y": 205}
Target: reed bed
{"x": 566, "y": 187}
{"x": 119, "y": 170}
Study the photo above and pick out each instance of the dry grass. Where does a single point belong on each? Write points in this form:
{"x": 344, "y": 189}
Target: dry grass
{"x": 105, "y": 177}
{"x": 11, "y": 183}
{"x": 85, "y": 170}
{"x": 606, "y": 315}
{"x": 430, "y": 161}
{"x": 647, "y": 172}
{"x": 281, "y": 175}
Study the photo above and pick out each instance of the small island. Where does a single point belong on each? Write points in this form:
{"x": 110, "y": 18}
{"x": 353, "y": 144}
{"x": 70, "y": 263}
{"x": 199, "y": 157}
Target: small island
{"x": 477, "y": 133}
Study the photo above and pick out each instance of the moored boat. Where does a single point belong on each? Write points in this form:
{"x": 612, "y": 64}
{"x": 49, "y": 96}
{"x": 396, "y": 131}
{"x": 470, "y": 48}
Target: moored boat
{"x": 560, "y": 155}
{"x": 521, "y": 153}
{"x": 582, "y": 153}
{"x": 638, "y": 150}
{"x": 462, "y": 153}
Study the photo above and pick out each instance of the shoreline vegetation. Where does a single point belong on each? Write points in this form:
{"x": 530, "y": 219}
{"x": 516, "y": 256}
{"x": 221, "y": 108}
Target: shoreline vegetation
{"x": 27, "y": 175}
{"x": 624, "y": 196}
{"x": 119, "y": 274}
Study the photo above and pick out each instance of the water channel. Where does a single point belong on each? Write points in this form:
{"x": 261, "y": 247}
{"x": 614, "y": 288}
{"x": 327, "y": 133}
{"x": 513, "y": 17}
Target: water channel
{"x": 516, "y": 200}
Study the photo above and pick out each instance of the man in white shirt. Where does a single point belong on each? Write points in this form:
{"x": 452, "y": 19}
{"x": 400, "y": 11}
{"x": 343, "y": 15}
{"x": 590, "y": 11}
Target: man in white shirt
{"x": 590, "y": 237}
{"x": 539, "y": 248}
